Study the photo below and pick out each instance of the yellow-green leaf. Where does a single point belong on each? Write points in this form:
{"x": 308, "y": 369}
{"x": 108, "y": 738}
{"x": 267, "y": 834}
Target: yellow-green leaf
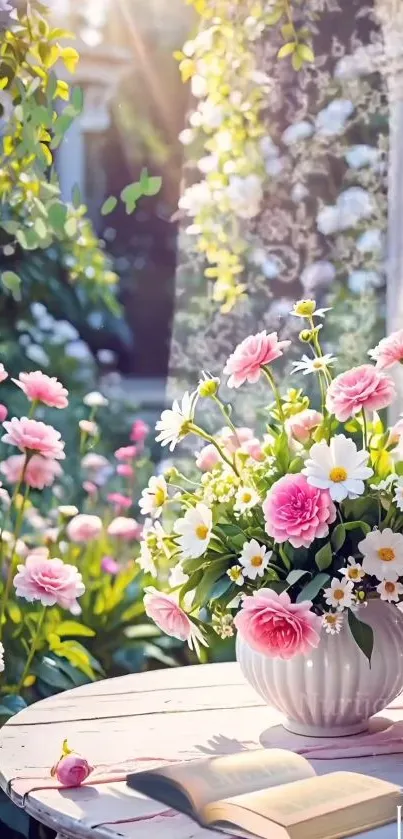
{"x": 287, "y": 49}
{"x": 306, "y": 53}
{"x": 70, "y": 57}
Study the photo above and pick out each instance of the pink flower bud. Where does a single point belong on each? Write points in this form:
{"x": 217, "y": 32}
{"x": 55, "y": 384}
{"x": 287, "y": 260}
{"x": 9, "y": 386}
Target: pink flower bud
{"x": 3, "y": 413}
{"x": 125, "y": 470}
{"x": 72, "y": 770}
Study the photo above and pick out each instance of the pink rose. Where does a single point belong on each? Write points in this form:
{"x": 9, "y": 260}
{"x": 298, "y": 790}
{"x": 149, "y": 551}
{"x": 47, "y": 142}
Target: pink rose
{"x": 300, "y": 425}
{"x": 41, "y": 388}
{"x": 40, "y": 472}
{"x": 109, "y": 565}
{"x": 32, "y": 436}
{"x": 119, "y": 501}
{"x": 125, "y": 528}
{"x": 72, "y": 770}
{"x": 125, "y": 470}
{"x": 90, "y": 487}
{"x": 297, "y": 512}
{"x": 389, "y": 351}
{"x": 49, "y": 580}
{"x": 363, "y": 387}
{"x": 3, "y": 373}
{"x": 245, "y": 363}
{"x": 84, "y": 528}
{"x": 126, "y": 453}
{"x": 274, "y": 626}
{"x": 254, "y": 449}
{"x": 164, "y": 610}
{"x": 233, "y": 441}
{"x": 3, "y": 413}
{"x": 207, "y": 458}
{"x": 139, "y": 431}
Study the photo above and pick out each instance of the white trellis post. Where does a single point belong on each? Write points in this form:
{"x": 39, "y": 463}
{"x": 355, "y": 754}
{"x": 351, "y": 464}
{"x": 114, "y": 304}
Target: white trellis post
{"x": 390, "y": 13}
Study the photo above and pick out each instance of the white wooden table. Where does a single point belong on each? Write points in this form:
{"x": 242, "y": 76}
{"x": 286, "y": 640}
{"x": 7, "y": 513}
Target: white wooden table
{"x": 137, "y": 722}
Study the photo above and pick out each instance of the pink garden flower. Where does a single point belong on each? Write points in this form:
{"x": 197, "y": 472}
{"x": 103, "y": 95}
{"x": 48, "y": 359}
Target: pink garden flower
{"x": 274, "y": 626}
{"x": 29, "y": 435}
{"x": 245, "y": 363}
{"x": 125, "y": 470}
{"x": 3, "y": 373}
{"x": 125, "y": 529}
{"x": 363, "y": 387}
{"x": 389, "y": 351}
{"x": 41, "y": 388}
{"x": 207, "y": 458}
{"x": 126, "y": 453}
{"x": 109, "y": 565}
{"x": 254, "y": 449}
{"x": 297, "y": 512}
{"x": 233, "y": 441}
{"x": 90, "y": 487}
{"x": 40, "y": 472}
{"x": 301, "y": 425}
{"x": 119, "y": 501}
{"x": 166, "y": 613}
{"x": 49, "y": 580}
{"x": 84, "y": 528}
{"x": 72, "y": 770}
{"x": 139, "y": 431}
{"x": 3, "y": 413}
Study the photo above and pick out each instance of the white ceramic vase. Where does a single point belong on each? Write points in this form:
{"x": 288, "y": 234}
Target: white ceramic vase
{"x": 333, "y": 691}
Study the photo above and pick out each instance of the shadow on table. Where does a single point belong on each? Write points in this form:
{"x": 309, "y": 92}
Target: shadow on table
{"x": 221, "y": 745}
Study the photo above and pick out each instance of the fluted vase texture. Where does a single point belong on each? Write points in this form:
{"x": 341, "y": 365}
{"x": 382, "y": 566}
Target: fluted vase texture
{"x": 333, "y": 691}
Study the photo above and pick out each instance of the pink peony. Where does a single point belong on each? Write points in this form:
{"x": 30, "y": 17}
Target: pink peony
{"x": 109, "y": 565}
{"x": 300, "y": 425}
{"x": 125, "y": 470}
{"x": 3, "y": 413}
{"x": 41, "y": 472}
{"x": 362, "y": 387}
{"x": 125, "y": 528}
{"x": 49, "y": 580}
{"x": 41, "y": 388}
{"x": 126, "y": 453}
{"x": 72, "y": 770}
{"x": 168, "y": 615}
{"x": 84, "y": 528}
{"x": 119, "y": 501}
{"x": 32, "y": 436}
{"x": 297, "y": 512}
{"x": 139, "y": 431}
{"x": 207, "y": 458}
{"x": 245, "y": 363}
{"x": 233, "y": 441}
{"x": 274, "y": 626}
{"x": 389, "y": 351}
{"x": 3, "y": 373}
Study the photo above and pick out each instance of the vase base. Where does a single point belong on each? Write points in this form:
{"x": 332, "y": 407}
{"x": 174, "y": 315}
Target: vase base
{"x": 325, "y": 731}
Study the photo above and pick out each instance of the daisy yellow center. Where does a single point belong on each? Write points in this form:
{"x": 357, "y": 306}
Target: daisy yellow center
{"x": 338, "y": 594}
{"x": 338, "y": 474}
{"x": 354, "y": 574}
{"x": 331, "y": 619}
{"x": 246, "y": 497}
{"x": 256, "y": 561}
{"x": 201, "y": 531}
{"x": 386, "y": 554}
{"x": 390, "y": 587}
{"x": 159, "y": 497}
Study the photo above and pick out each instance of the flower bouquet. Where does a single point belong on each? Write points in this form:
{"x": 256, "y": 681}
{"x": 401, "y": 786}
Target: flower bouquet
{"x": 295, "y": 539}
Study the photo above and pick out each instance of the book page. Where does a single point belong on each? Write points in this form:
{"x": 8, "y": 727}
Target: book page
{"x": 204, "y": 781}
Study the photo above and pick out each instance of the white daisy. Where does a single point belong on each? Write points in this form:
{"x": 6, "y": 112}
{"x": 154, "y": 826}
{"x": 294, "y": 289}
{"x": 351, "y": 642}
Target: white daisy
{"x": 313, "y": 365}
{"x": 154, "y": 497}
{"x": 95, "y": 400}
{"x": 332, "y": 622}
{"x": 354, "y": 571}
{"x": 398, "y": 496}
{"x": 339, "y": 595}
{"x": 146, "y": 560}
{"x": 390, "y": 590}
{"x": 338, "y": 467}
{"x": 195, "y": 531}
{"x": 386, "y": 484}
{"x": 236, "y": 575}
{"x": 245, "y": 499}
{"x": 177, "y": 576}
{"x": 383, "y": 554}
{"x": 174, "y": 423}
{"x": 255, "y": 559}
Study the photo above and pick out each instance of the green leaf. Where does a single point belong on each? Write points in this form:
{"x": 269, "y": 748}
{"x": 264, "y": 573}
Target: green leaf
{"x": 398, "y": 466}
{"x": 14, "y": 612}
{"x": 77, "y": 99}
{"x": 274, "y": 16}
{"x": 324, "y": 557}
{"x": 355, "y": 525}
{"x": 76, "y": 197}
{"x": 153, "y": 186}
{"x": 71, "y": 226}
{"x": 286, "y": 554}
{"x": 12, "y": 282}
{"x": 142, "y": 630}
{"x": 49, "y": 672}
{"x": 311, "y": 589}
{"x": 57, "y": 215}
{"x": 295, "y": 575}
{"x": 221, "y": 587}
{"x": 73, "y": 628}
{"x": 306, "y": 53}
{"x": 205, "y": 587}
{"x": 11, "y": 704}
{"x": 109, "y": 205}
{"x": 130, "y": 195}
{"x": 338, "y": 537}
{"x": 362, "y": 633}
{"x": 287, "y": 49}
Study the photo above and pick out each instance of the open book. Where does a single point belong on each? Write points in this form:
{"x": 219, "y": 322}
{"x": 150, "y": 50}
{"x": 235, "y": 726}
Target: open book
{"x": 272, "y": 794}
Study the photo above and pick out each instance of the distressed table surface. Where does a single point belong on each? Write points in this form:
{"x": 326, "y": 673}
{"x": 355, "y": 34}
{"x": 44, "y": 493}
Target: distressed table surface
{"x": 138, "y": 722}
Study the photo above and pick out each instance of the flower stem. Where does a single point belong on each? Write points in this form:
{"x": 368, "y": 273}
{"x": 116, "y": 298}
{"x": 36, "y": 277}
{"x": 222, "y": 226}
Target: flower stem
{"x": 270, "y": 378}
{"x": 17, "y": 531}
{"x": 364, "y": 429}
{"x": 208, "y": 437}
{"x": 225, "y": 415}
{"x": 32, "y": 651}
